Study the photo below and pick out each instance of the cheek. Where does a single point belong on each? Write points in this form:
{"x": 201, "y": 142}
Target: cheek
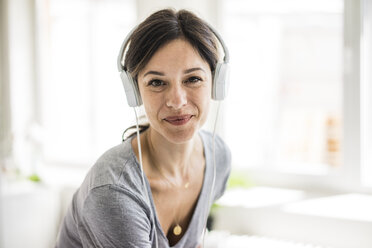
{"x": 206, "y": 105}
{"x": 203, "y": 109}
{"x": 203, "y": 101}
{"x": 151, "y": 105}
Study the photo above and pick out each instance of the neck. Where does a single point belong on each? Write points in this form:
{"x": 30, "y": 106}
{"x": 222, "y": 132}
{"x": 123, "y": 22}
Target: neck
{"x": 171, "y": 160}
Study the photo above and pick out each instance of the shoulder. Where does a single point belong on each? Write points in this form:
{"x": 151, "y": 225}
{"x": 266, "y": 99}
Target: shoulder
{"x": 116, "y": 168}
{"x": 222, "y": 151}
{"x": 221, "y": 157}
{"x": 105, "y": 210}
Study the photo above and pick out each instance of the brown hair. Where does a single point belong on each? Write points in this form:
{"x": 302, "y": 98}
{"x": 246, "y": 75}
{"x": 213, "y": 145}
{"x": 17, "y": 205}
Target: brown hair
{"x": 164, "y": 26}
{"x": 161, "y": 28}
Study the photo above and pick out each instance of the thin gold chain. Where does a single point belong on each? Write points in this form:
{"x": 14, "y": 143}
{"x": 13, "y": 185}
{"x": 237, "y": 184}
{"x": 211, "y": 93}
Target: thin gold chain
{"x": 177, "y": 229}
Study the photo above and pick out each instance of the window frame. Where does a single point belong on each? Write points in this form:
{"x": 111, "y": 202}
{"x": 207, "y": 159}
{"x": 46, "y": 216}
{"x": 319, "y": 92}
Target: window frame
{"x": 366, "y": 91}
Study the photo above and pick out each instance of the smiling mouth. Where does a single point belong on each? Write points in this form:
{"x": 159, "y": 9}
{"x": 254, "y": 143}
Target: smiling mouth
{"x": 178, "y": 120}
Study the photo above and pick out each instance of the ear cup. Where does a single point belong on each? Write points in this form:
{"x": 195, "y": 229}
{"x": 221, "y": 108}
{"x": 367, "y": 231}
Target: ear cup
{"x": 131, "y": 89}
{"x": 220, "y": 81}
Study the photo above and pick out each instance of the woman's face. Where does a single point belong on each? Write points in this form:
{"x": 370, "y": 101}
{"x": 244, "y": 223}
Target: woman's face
{"x": 175, "y": 87}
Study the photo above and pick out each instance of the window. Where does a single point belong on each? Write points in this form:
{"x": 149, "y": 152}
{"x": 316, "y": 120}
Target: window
{"x": 293, "y": 106}
{"x": 287, "y": 73}
{"x": 83, "y": 106}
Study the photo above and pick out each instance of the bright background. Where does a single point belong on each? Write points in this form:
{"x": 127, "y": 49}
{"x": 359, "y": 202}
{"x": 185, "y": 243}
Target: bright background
{"x": 298, "y": 117}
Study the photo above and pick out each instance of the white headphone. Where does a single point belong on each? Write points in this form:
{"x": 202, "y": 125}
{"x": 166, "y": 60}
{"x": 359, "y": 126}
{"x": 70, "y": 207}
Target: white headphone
{"x": 220, "y": 79}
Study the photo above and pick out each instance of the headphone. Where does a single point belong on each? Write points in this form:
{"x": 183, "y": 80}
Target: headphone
{"x": 220, "y": 78}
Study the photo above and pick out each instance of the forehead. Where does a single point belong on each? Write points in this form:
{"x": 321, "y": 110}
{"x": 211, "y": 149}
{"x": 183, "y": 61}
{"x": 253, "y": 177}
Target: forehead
{"x": 177, "y": 55}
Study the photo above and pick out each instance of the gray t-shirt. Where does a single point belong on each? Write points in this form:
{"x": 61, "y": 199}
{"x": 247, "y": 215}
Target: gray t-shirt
{"x": 110, "y": 209}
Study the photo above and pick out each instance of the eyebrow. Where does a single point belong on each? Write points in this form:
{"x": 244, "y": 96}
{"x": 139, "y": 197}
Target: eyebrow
{"x": 154, "y": 73}
{"x": 158, "y": 73}
{"x": 193, "y": 69}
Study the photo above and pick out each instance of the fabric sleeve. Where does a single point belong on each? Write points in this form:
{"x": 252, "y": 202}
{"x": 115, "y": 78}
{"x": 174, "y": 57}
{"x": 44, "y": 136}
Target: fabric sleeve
{"x": 113, "y": 217}
{"x": 223, "y": 167}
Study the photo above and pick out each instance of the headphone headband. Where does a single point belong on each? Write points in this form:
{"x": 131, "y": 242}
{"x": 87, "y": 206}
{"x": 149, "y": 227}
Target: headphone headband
{"x": 122, "y": 48}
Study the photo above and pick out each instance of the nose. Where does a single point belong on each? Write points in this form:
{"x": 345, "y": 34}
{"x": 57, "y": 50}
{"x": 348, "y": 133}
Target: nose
{"x": 176, "y": 97}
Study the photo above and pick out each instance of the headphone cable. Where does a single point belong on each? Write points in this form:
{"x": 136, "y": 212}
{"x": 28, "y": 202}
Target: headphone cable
{"x": 143, "y": 178}
{"x": 214, "y": 172}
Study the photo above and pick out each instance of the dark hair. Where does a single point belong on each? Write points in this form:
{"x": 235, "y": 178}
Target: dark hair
{"x": 164, "y": 26}
{"x": 159, "y": 29}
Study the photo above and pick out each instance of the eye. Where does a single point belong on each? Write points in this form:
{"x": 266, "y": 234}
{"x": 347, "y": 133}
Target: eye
{"x": 193, "y": 80}
{"x": 156, "y": 83}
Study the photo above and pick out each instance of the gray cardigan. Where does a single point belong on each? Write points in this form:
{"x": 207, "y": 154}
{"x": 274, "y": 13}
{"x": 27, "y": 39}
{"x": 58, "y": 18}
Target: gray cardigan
{"x": 110, "y": 210}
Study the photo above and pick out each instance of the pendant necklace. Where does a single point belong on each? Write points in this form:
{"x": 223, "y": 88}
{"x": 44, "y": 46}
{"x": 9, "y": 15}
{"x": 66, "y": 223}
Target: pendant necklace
{"x": 177, "y": 230}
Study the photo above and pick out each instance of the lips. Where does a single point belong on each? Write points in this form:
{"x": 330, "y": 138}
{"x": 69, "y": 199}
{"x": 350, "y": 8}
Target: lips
{"x": 178, "y": 120}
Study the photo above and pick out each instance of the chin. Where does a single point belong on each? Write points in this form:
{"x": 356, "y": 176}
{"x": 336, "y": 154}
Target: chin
{"x": 179, "y": 135}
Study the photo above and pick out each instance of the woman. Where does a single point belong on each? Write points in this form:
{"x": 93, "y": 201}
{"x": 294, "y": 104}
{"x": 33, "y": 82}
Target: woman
{"x": 171, "y": 57}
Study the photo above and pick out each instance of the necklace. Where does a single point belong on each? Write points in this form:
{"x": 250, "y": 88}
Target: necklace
{"x": 177, "y": 229}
